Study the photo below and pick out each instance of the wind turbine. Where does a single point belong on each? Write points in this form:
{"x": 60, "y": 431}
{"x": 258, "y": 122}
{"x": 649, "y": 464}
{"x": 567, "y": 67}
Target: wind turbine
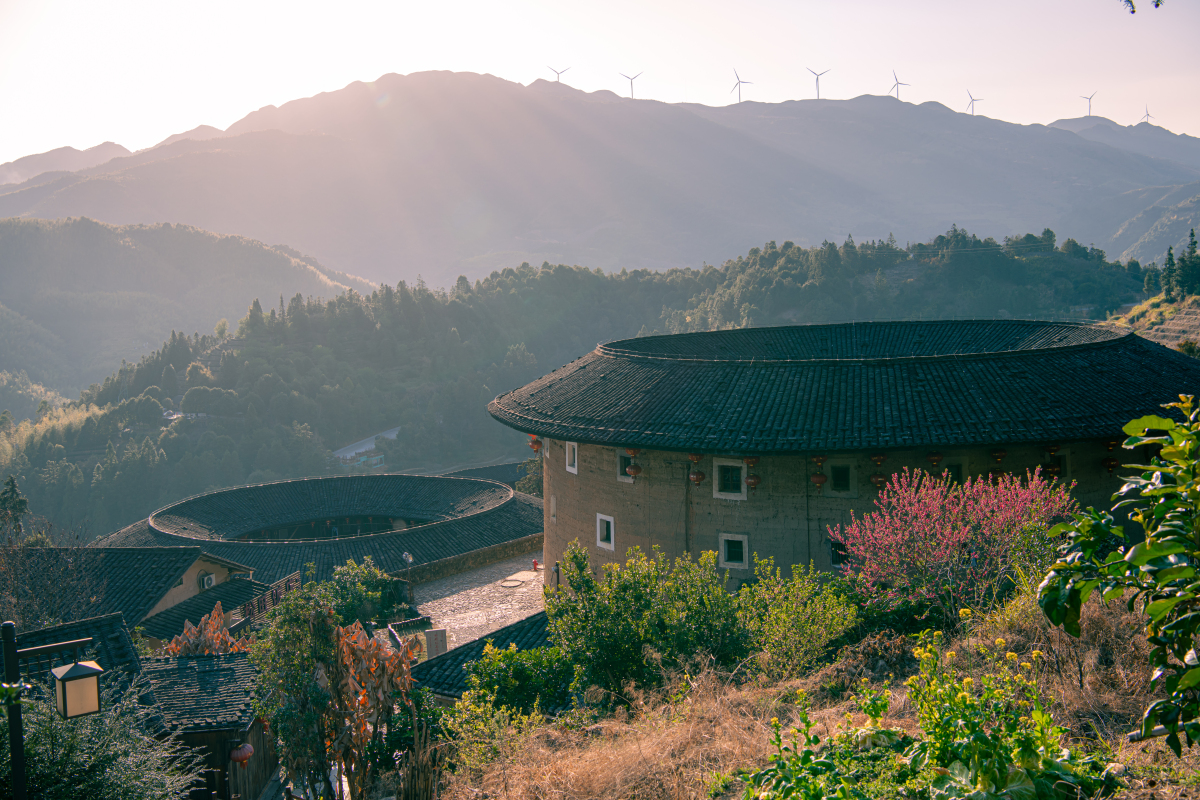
{"x": 1148, "y": 116}
{"x": 631, "y": 80}
{"x": 557, "y": 73}
{"x": 737, "y": 86}
{"x": 974, "y": 100}
{"x": 1089, "y": 99}
{"x": 896, "y": 85}
{"x": 818, "y": 74}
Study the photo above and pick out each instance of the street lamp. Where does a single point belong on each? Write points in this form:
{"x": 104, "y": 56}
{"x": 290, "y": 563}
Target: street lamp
{"x": 76, "y": 693}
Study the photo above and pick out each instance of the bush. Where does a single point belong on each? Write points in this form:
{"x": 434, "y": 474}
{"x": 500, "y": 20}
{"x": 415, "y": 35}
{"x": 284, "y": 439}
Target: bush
{"x": 113, "y": 755}
{"x": 792, "y": 622}
{"x": 642, "y": 619}
{"x": 953, "y": 545}
{"x": 363, "y": 592}
{"x": 539, "y": 678}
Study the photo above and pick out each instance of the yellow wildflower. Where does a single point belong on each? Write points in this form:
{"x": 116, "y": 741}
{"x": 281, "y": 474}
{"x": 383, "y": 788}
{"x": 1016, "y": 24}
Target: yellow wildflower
{"x": 1026, "y": 665}
{"x": 963, "y": 697}
{"x": 774, "y": 721}
{"x": 968, "y": 682}
{"x": 964, "y": 613}
{"x": 1000, "y": 643}
{"x": 1010, "y": 655}
{"x": 950, "y": 655}
{"x": 1036, "y": 654}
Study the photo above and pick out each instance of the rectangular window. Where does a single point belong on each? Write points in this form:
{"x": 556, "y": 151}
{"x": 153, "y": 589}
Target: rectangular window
{"x": 624, "y": 461}
{"x": 839, "y": 475}
{"x": 572, "y": 458}
{"x": 604, "y": 532}
{"x": 729, "y": 479}
{"x": 955, "y": 471}
{"x": 733, "y": 552}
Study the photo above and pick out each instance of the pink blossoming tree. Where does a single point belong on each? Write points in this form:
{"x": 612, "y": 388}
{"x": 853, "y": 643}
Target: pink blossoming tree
{"x": 951, "y": 544}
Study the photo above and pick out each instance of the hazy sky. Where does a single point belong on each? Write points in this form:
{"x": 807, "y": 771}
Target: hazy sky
{"x": 136, "y": 72}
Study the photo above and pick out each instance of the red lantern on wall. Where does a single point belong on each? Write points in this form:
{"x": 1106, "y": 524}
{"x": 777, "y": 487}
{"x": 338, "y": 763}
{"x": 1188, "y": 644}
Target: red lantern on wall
{"x": 535, "y": 444}
{"x": 1053, "y": 470}
{"x": 819, "y": 478}
{"x": 697, "y": 477}
{"x": 1111, "y": 444}
{"x": 879, "y": 479}
{"x": 998, "y": 455}
{"x": 878, "y": 458}
{"x": 632, "y": 451}
{"x": 934, "y": 459}
{"x": 696, "y": 458}
{"x": 241, "y": 754}
{"x": 753, "y": 481}
{"x": 1052, "y": 449}
{"x": 1110, "y": 464}
{"x": 750, "y": 461}
{"x": 633, "y": 470}
{"x": 820, "y": 461}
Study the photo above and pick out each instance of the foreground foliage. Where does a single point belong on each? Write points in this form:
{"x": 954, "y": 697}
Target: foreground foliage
{"x": 1158, "y": 574}
{"x": 117, "y": 754}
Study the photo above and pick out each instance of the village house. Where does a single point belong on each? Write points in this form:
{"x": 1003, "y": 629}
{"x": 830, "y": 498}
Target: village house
{"x": 755, "y": 441}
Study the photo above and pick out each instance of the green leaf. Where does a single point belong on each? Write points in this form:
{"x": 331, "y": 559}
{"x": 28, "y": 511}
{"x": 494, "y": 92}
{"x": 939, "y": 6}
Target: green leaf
{"x": 1138, "y": 426}
{"x": 1142, "y": 552}
{"x": 1160, "y": 608}
{"x": 1189, "y": 679}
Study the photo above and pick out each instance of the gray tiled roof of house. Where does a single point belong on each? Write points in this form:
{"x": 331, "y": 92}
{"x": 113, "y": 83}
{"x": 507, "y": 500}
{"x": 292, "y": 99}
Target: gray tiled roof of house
{"x": 198, "y": 693}
{"x": 854, "y": 386}
{"x": 230, "y": 593}
{"x": 507, "y": 474}
{"x": 446, "y": 674}
{"x": 125, "y": 580}
{"x": 469, "y": 514}
{"x": 112, "y": 647}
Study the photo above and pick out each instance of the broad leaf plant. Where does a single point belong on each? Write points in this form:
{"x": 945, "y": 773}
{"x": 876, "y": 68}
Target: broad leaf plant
{"x": 1157, "y": 575}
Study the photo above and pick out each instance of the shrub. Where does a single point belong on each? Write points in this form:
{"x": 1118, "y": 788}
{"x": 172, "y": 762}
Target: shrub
{"x": 1158, "y": 574}
{"x": 363, "y": 592}
{"x": 643, "y": 618}
{"x": 792, "y": 621}
{"x": 113, "y": 755}
{"x": 524, "y": 680}
{"x": 953, "y": 545}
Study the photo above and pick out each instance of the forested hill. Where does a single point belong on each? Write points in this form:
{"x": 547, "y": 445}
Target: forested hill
{"x": 310, "y": 375}
{"x": 77, "y": 296}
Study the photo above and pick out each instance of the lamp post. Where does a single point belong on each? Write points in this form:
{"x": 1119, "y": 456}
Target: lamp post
{"x": 76, "y": 693}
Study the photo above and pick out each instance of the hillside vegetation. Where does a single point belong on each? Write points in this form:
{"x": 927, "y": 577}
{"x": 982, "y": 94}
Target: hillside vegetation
{"x": 381, "y": 178}
{"x": 77, "y": 296}
{"x": 311, "y": 375}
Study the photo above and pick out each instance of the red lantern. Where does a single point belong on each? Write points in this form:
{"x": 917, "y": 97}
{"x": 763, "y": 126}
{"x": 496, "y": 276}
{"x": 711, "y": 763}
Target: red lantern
{"x": 879, "y": 479}
{"x": 696, "y": 457}
{"x": 535, "y": 444}
{"x": 1110, "y": 464}
{"x": 1052, "y": 449}
{"x": 750, "y": 461}
{"x": 753, "y": 481}
{"x": 266, "y": 724}
{"x": 934, "y": 459}
{"x": 241, "y": 754}
{"x": 999, "y": 455}
{"x": 632, "y": 451}
{"x": 1111, "y": 444}
{"x": 697, "y": 477}
{"x": 633, "y": 470}
{"x": 878, "y": 458}
{"x": 1053, "y": 470}
{"x": 820, "y": 461}
{"x": 819, "y": 478}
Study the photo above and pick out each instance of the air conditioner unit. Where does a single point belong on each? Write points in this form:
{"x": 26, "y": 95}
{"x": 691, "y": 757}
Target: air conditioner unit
{"x": 207, "y": 582}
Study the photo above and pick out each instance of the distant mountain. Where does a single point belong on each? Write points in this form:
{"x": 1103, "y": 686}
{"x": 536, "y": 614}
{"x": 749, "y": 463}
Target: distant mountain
{"x": 64, "y": 159}
{"x": 78, "y": 296}
{"x": 199, "y": 133}
{"x": 440, "y": 173}
{"x": 1144, "y": 138}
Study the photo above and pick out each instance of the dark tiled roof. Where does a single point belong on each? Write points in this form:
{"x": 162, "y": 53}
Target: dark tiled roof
{"x": 112, "y": 649}
{"x": 507, "y": 474}
{"x": 446, "y": 674}
{"x": 126, "y": 580}
{"x": 516, "y": 517}
{"x": 230, "y": 593}
{"x": 854, "y": 386}
{"x": 198, "y": 693}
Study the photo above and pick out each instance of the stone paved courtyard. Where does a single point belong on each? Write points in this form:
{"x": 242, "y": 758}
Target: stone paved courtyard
{"x": 475, "y": 603}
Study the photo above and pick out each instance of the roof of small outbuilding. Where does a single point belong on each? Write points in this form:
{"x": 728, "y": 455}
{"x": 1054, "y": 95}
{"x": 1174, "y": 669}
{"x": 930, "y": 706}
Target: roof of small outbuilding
{"x": 230, "y": 593}
{"x": 447, "y": 675}
{"x": 112, "y": 647}
{"x": 203, "y": 693}
{"x": 854, "y": 386}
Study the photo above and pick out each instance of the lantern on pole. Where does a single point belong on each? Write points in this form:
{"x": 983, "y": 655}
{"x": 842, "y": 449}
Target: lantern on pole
{"x": 77, "y": 689}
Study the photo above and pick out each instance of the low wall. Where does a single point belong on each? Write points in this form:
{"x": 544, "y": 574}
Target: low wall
{"x": 455, "y": 565}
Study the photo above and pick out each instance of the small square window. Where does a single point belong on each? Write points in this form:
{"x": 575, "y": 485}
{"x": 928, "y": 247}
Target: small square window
{"x": 733, "y": 552}
{"x": 729, "y": 479}
{"x": 572, "y": 458}
{"x": 604, "y": 532}
{"x": 839, "y": 475}
{"x": 624, "y": 461}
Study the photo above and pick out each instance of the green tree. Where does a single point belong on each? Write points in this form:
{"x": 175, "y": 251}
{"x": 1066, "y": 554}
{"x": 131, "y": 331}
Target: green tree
{"x": 1157, "y": 575}
{"x": 531, "y": 481}
{"x": 222, "y": 328}
{"x": 1169, "y": 278}
{"x": 13, "y": 506}
{"x": 539, "y": 678}
{"x": 169, "y": 382}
